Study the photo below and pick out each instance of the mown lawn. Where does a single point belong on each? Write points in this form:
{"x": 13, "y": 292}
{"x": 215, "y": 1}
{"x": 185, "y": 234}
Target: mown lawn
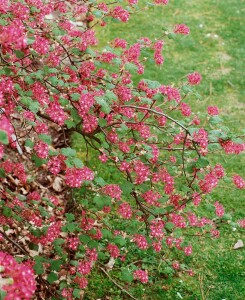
{"x": 215, "y": 48}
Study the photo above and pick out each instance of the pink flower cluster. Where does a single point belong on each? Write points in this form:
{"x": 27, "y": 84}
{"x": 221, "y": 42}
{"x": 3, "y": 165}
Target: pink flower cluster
{"x": 209, "y": 182}
{"x": 113, "y": 250}
{"x": 19, "y": 278}
{"x": 74, "y": 177}
{"x": 17, "y": 169}
{"x": 121, "y": 14}
{"x": 201, "y": 137}
{"x": 56, "y": 112}
{"x": 239, "y": 182}
{"x": 72, "y": 243}
{"x": 141, "y": 275}
{"x": 41, "y": 149}
{"x": 194, "y": 78}
{"x": 56, "y": 164}
{"x": 219, "y": 209}
{"x": 213, "y": 110}
{"x": 84, "y": 267}
{"x": 159, "y": 59}
{"x": 181, "y": 29}
{"x": 157, "y": 229}
{"x": 142, "y": 172}
{"x": 125, "y": 210}
{"x": 53, "y": 232}
{"x": 141, "y": 241}
{"x": 172, "y": 93}
{"x": 151, "y": 197}
{"x": 231, "y": 147}
{"x": 112, "y": 190}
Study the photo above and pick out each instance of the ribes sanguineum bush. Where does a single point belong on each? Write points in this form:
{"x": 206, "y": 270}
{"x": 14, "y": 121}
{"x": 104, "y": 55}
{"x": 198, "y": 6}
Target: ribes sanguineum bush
{"x": 60, "y": 211}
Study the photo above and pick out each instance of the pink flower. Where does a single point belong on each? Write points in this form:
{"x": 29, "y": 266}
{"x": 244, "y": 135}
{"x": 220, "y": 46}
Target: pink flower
{"x": 120, "y": 14}
{"x": 164, "y": 2}
{"x": 194, "y": 78}
{"x": 213, "y": 110}
{"x": 112, "y": 190}
{"x": 125, "y": 210}
{"x": 141, "y": 241}
{"x": 185, "y": 109}
{"x": 141, "y": 275}
{"x": 41, "y": 149}
{"x": 113, "y": 250}
{"x": 75, "y": 177}
{"x": 21, "y": 278}
{"x": 238, "y": 181}
{"x": 219, "y": 209}
{"x": 188, "y": 250}
{"x": 181, "y": 29}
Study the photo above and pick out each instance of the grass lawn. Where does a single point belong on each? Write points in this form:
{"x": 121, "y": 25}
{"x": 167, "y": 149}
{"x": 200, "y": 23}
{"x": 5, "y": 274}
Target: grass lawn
{"x": 215, "y": 48}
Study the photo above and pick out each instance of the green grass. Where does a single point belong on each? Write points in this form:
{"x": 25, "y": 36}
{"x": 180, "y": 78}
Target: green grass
{"x": 215, "y": 48}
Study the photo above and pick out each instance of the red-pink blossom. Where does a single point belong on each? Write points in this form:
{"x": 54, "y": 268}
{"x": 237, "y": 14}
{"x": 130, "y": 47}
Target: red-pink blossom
{"x": 213, "y": 110}
{"x": 181, "y": 29}
{"x": 238, "y": 181}
{"x": 194, "y": 78}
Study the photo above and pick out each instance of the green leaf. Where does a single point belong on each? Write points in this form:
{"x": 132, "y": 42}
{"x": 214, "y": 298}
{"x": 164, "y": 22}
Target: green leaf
{"x": 34, "y": 106}
{"x": 29, "y": 80}
{"x": 126, "y": 275}
{"x": 131, "y": 67}
{"x": 56, "y": 264}
{"x": 29, "y": 143}
{"x": 52, "y": 277}
{"x": 34, "y": 9}
{"x": 70, "y": 217}
{"x": 201, "y": 163}
{"x": 4, "y": 137}
{"x": 7, "y": 212}
{"x": 227, "y": 179}
{"x": 57, "y": 32}
{"x": 84, "y": 238}
{"x": 70, "y": 124}
{"x": 30, "y": 40}
{"x": 48, "y": 70}
{"x": 6, "y": 71}
{"x": 68, "y": 152}
{"x": 2, "y": 294}
{"x": 169, "y": 225}
{"x": 75, "y": 96}
{"x": 38, "y": 74}
{"x": 70, "y": 227}
{"x": 101, "y": 201}
{"x": 127, "y": 188}
{"x": 38, "y": 161}
{"x": 152, "y": 84}
{"x": 215, "y": 120}
{"x": 106, "y": 234}
{"x": 38, "y": 267}
{"x": 102, "y": 122}
{"x": 100, "y": 181}
{"x": 78, "y": 163}
{"x": 105, "y": 107}
{"x": 77, "y": 293}
{"x": 69, "y": 162}
{"x": 3, "y": 23}
{"x": 119, "y": 240}
{"x": 110, "y": 95}
{"x": 2, "y": 173}
{"x": 45, "y": 138}
{"x": 54, "y": 80}
{"x": 172, "y": 36}
{"x": 19, "y": 54}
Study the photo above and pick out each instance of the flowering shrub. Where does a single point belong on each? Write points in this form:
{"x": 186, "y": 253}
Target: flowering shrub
{"x": 54, "y": 82}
